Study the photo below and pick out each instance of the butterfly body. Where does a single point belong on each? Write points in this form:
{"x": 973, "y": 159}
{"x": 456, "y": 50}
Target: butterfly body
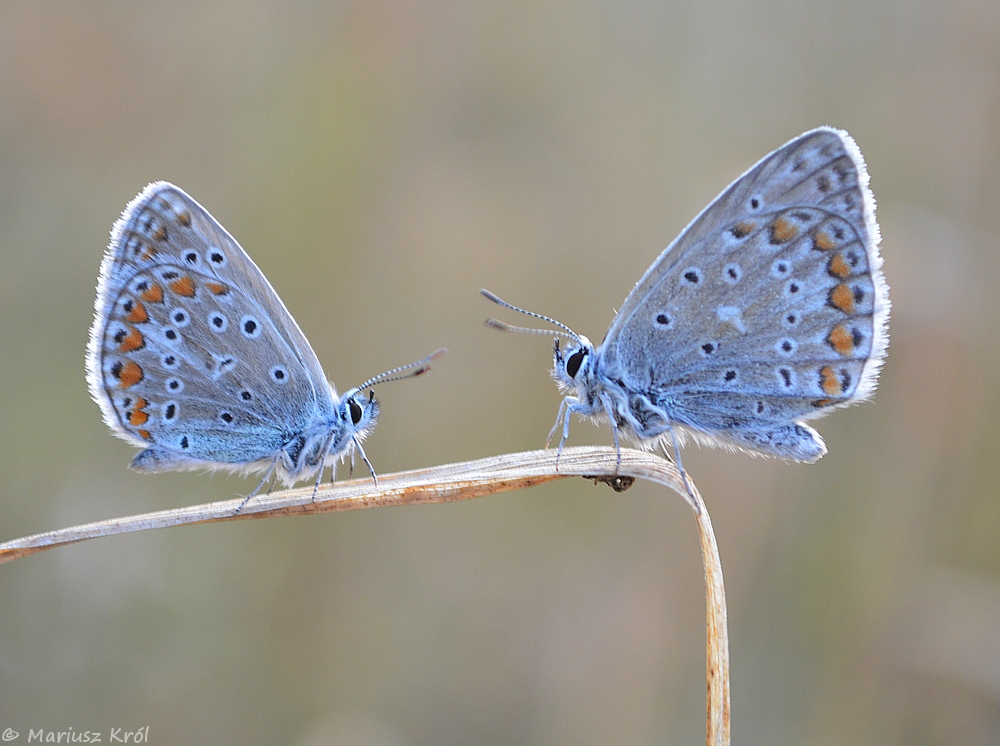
{"x": 768, "y": 310}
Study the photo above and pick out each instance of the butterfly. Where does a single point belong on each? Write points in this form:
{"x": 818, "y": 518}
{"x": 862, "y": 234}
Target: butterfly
{"x": 194, "y": 358}
{"x": 768, "y": 310}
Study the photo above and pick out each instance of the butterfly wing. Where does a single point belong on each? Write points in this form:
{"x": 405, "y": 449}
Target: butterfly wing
{"x": 769, "y": 308}
{"x": 192, "y": 355}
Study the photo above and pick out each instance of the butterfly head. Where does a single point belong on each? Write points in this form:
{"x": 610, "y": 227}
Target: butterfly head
{"x": 358, "y": 412}
{"x": 573, "y": 366}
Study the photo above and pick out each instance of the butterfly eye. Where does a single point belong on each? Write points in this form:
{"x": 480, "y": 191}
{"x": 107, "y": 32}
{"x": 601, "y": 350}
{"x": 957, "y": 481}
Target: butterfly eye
{"x": 355, "y": 411}
{"x": 574, "y": 362}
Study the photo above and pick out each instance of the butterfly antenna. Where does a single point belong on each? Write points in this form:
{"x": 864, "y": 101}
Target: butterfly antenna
{"x": 505, "y": 327}
{"x": 502, "y": 326}
{"x": 415, "y": 369}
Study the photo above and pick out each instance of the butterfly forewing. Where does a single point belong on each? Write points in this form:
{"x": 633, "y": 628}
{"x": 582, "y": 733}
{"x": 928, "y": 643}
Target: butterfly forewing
{"x": 237, "y": 264}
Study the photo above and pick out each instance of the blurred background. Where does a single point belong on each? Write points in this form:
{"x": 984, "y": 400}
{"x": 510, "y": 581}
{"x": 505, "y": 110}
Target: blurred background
{"x": 381, "y": 161}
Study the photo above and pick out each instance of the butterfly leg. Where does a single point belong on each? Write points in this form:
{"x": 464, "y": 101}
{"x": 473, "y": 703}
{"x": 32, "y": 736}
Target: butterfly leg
{"x": 565, "y": 408}
{"x": 676, "y": 458}
{"x": 357, "y": 444}
{"x": 257, "y": 489}
{"x": 319, "y": 471}
{"x": 559, "y": 418}
{"x": 606, "y": 401}
{"x": 319, "y": 476}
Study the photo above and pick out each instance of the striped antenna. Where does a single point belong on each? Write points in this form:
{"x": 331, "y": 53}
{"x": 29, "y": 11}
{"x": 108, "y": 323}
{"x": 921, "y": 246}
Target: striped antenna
{"x": 415, "y": 369}
{"x": 502, "y": 326}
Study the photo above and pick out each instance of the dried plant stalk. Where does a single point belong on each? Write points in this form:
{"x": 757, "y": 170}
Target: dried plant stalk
{"x": 450, "y": 483}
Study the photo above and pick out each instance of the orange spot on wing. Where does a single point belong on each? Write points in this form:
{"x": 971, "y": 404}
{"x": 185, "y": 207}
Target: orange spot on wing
{"x": 828, "y": 381}
{"x": 842, "y": 298}
{"x": 841, "y": 339}
{"x": 161, "y": 233}
{"x": 742, "y": 229}
{"x": 838, "y": 267}
{"x": 138, "y": 314}
{"x": 137, "y": 417}
{"x": 217, "y": 287}
{"x": 153, "y": 294}
{"x": 130, "y": 375}
{"x": 823, "y": 242}
{"x": 184, "y": 218}
{"x": 783, "y": 231}
{"x": 145, "y": 434}
{"x": 183, "y": 285}
{"x": 132, "y": 341}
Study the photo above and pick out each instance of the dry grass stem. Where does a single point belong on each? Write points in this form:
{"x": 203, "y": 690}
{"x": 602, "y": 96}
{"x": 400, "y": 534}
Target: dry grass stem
{"x": 450, "y": 483}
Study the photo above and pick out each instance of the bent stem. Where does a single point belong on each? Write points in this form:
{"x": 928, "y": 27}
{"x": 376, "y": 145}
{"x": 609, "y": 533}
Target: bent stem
{"x": 450, "y": 483}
